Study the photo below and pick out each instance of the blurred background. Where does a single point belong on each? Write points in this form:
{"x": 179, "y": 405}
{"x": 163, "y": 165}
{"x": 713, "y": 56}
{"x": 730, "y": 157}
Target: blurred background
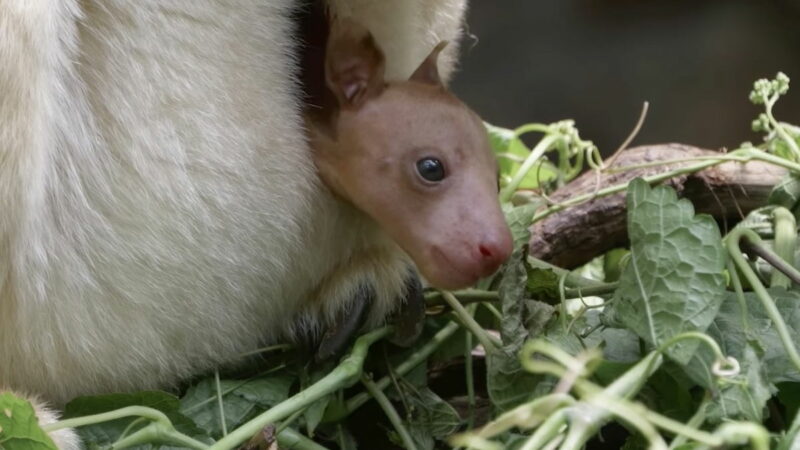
{"x": 596, "y": 61}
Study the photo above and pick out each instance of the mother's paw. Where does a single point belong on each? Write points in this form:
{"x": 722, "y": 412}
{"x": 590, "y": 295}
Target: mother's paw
{"x": 410, "y": 318}
{"x": 345, "y": 325}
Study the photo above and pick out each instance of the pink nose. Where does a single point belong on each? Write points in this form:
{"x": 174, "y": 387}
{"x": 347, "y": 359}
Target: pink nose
{"x": 494, "y": 251}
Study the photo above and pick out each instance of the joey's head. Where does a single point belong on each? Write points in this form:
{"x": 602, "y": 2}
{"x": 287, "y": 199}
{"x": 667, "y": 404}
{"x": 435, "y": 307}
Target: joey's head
{"x": 414, "y": 158}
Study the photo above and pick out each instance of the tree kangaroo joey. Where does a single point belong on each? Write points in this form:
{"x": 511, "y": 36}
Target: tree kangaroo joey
{"x": 410, "y": 155}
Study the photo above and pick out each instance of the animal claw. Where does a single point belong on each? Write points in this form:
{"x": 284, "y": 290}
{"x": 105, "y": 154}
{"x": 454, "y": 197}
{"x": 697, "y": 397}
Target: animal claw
{"x": 410, "y": 319}
{"x": 348, "y": 321}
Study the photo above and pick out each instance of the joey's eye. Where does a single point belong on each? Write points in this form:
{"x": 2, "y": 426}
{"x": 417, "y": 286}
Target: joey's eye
{"x": 431, "y": 169}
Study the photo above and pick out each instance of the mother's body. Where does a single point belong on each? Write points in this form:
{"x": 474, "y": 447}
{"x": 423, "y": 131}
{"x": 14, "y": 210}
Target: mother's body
{"x": 159, "y": 210}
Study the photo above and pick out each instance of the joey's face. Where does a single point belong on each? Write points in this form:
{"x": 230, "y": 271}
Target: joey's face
{"x": 414, "y": 158}
{"x": 418, "y": 161}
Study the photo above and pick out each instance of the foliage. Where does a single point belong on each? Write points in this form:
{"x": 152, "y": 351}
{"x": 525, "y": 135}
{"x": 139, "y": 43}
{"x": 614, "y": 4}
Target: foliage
{"x": 686, "y": 343}
{"x": 19, "y": 427}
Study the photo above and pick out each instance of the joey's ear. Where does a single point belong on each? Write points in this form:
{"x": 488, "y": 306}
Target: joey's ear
{"x": 354, "y": 65}
{"x": 428, "y": 71}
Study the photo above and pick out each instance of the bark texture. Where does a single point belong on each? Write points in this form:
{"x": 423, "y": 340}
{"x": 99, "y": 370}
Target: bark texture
{"x": 577, "y": 234}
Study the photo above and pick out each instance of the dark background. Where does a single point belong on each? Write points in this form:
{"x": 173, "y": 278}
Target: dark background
{"x": 596, "y": 61}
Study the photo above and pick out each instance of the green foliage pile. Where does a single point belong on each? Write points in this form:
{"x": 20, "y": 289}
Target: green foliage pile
{"x": 681, "y": 341}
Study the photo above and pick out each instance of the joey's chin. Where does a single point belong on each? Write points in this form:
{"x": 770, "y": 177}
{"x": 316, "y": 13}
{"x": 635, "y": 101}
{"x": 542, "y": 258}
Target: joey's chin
{"x": 443, "y": 271}
{"x": 449, "y": 280}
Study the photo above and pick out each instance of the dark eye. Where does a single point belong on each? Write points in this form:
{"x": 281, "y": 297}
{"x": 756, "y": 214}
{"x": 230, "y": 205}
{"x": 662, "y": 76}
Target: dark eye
{"x": 431, "y": 169}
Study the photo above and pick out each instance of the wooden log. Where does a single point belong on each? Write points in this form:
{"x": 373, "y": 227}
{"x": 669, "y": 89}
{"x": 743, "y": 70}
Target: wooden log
{"x": 577, "y": 234}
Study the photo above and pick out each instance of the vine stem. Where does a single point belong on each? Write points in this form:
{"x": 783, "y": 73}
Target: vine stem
{"x": 291, "y": 439}
{"x": 742, "y": 155}
{"x": 417, "y": 358}
{"x": 536, "y": 153}
{"x": 587, "y": 418}
{"x": 469, "y": 322}
{"x": 390, "y": 412}
{"x": 493, "y": 310}
{"x": 630, "y": 138}
{"x": 702, "y": 337}
{"x": 633, "y": 416}
{"x": 139, "y": 411}
{"x": 572, "y": 280}
{"x": 753, "y": 153}
{"x": 733, "y": 243}
{"x": 527, "y": 415}
{"x": 775, "y": 260}
{"x": 695, "y": 422}
{"x": 598, "y": 403}
{"x": 549, "y": 430}
{"x": 470, "y": 296}
{"x": 735, "y": 432}
{"x": 785, "y": 245}
{"x": 634, "y": 413}
{"x": 469, "y": 376}
{"x": 737, "y": 288}
{"x": 621, "y": 187}
{"x": 159, "y": 432}
{"x": 435, "y": 298}
{"x": 688, "y": 430}
{"x": 769, "y": 103}
{"x": 220, "y": 406}
{"x": 345, "y": 374}
{"x": 532, "y": 127}
{"x": 160, "y": 428}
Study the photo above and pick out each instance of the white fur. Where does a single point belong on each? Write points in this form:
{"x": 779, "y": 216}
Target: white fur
{"x": 159, "y": 210}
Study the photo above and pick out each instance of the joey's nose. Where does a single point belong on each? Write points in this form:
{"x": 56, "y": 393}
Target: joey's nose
{"x": 494, "y": 250}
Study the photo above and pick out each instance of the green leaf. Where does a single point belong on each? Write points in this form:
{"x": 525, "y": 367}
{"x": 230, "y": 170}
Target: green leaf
{"x": 745, "y": 396}
{"x": 106, "y": 433}
{"x": 513, "y": 441}
{"x": 507, "y": 383}
{"x": 265, "y": 392}
{"x": 201, "y": 405}
{"x": 507, "y": 147}
{"x": 19, "y": 426}
{"x": 519, "y": 219}
{"x": 510, "y": 152}
{"x": 592, "y": 270}
{"x": 789, "y": 396}
{"x": 776, "y": 361}
{"x": 543, "y": 283}
{"x": 430, "y": 412}
{"x": 571, "y": 339}
{"x": 735, "y": 330}
{"x": 345, "y": 439}
{"x": 537, "y": 316}
{"x": 750, "y": 337}
{"x": 316, "y": 411}
{"x": 512, "y": 300}
{"x": 779, "y": 147}
{"x": 674, "y": 281}
{"x": 419, "y": 434}
{"x": 787, "y": 192}
{"x": 668, "y": 395}
{"x": 791, "y": 441}
{"x": 613, "y": 264}
{"x": 242, "y": 400}
{"x": 620, "y": 345}
{"x": 635, "y": 442}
